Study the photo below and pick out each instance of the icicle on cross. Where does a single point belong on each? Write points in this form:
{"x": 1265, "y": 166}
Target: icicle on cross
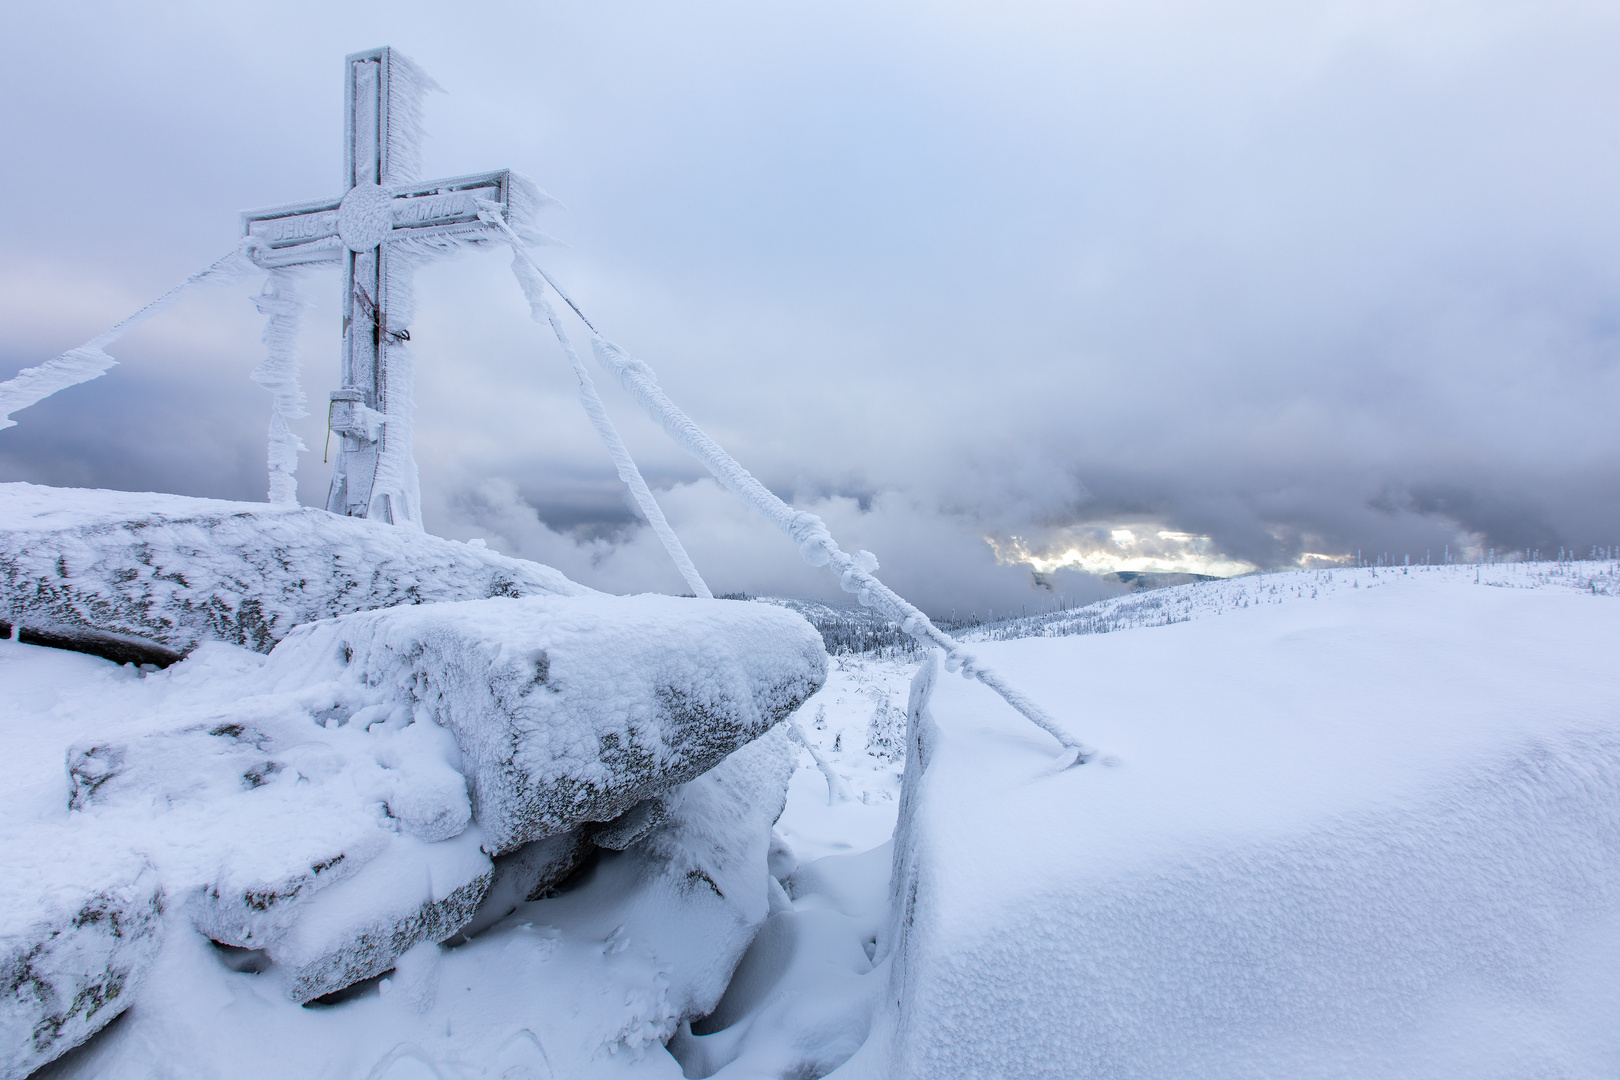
{"x": 384, "y": 214}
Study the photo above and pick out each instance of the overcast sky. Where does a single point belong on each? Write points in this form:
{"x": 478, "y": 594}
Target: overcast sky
{"x": 996, "y": 288}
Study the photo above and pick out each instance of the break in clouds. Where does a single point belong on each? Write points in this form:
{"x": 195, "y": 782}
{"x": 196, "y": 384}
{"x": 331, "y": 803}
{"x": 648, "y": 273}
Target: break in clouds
{"x": 1013, "y": 298}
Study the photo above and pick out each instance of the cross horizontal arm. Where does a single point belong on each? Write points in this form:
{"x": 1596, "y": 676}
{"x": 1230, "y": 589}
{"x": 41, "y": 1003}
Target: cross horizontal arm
{"x": 304, "y": 233}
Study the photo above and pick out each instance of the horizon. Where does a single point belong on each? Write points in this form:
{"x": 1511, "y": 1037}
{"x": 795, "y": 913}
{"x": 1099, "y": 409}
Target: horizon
{"x": 1016, "y": 301}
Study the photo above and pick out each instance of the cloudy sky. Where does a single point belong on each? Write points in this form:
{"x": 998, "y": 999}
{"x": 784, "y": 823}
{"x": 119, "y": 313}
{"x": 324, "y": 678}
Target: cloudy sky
{"x": 1010, "y": 293}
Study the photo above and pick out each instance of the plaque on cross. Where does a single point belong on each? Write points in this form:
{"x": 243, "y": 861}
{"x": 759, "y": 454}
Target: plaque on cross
{"x": 385, "y": 220}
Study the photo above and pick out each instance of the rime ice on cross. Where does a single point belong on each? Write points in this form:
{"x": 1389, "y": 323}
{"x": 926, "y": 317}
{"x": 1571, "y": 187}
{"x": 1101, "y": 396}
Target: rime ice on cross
{"x": 384, "y": 223}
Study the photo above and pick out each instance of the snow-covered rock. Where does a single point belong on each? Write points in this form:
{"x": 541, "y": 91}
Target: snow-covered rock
{"x": 119, "y": 571}
{"x": 710, "y": 855}
{"x": 587, "y": 983}
{"x": 565, "y": 709}
{"x": 312, "y": 806}
{"x": 333, "y": 847}
{"x": 255, "y": 806}
{"x": 1373, "y": 834}
{"x": 412, "y": 893}
{"x": 80, "y": 923}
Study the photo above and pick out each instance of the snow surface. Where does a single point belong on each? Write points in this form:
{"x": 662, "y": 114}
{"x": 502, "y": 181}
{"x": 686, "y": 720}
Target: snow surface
{"x": 1370, "y": 834}
{"x": 1354, "y": 824}
{"x": 179, "y": 570}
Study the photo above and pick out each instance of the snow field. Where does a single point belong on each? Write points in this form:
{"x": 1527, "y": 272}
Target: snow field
{"x": 1370, "y": 835}
{"x": 1183, "y": 603}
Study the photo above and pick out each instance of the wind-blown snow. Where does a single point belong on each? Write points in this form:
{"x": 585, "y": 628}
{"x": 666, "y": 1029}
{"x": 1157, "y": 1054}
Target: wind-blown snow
{"x": 1372, "y": 834}
{"x": 283, "y": 304}
{"x": 408, "y": 88}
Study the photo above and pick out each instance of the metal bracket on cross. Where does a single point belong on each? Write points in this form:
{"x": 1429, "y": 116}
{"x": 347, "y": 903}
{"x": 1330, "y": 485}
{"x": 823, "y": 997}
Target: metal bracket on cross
{"x": 385, "y": 220}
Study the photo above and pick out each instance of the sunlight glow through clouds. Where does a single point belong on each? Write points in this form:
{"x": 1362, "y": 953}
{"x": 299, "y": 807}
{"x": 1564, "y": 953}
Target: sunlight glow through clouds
{"x": 1140, "y": 549}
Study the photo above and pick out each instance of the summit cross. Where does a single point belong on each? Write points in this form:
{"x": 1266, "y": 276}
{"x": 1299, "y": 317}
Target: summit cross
{"x": 385, "y": 221}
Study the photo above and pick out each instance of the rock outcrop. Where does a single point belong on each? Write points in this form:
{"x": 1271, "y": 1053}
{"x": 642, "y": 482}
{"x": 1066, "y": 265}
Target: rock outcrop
{"x": 425, "y": 707}
{"x": 569, "y": 709}
{"x": 79, "y": 924}
{"x": 144, "y": 577}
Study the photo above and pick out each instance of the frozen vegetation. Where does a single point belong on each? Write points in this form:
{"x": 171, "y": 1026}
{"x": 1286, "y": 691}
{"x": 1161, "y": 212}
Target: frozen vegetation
{"x": 1348, "y": 822}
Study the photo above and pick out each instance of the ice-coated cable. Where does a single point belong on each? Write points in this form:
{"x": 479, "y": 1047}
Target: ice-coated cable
{"x": 34, "y": 384}
{"x": 815, "y": 542}
{"x": 541, "y": 310}
{"x": 837, "y": 790}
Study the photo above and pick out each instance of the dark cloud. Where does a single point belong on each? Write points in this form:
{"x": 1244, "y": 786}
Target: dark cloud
{"x": 1298, "y": 278}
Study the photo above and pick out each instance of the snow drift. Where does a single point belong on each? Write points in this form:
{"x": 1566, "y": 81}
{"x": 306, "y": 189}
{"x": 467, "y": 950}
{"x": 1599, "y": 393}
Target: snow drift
{"x": 1371, "y": 835}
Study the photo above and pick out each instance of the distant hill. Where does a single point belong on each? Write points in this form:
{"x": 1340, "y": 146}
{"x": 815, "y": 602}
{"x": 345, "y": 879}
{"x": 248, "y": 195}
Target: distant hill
{"x": 844, "y": 630}
{"x": 1140, "y": 580}
{"x": 1162, "y": 599}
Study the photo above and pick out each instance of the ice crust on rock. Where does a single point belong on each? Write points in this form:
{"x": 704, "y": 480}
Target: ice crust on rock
{"x": 568, "y": 709}
{"x": 80, "y": 922}
{"x": 412, "y": 893}
{"x": 178, "y": 571}
{"x": 331, "y": 832}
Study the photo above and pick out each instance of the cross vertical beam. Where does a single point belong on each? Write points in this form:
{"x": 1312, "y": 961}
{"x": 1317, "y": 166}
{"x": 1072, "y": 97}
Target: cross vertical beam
{"x": 360, "y": 407}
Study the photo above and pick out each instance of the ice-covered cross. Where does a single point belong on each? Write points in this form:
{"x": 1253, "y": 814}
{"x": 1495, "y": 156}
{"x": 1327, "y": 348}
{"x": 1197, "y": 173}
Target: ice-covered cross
{"x": 384, "y": 224}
